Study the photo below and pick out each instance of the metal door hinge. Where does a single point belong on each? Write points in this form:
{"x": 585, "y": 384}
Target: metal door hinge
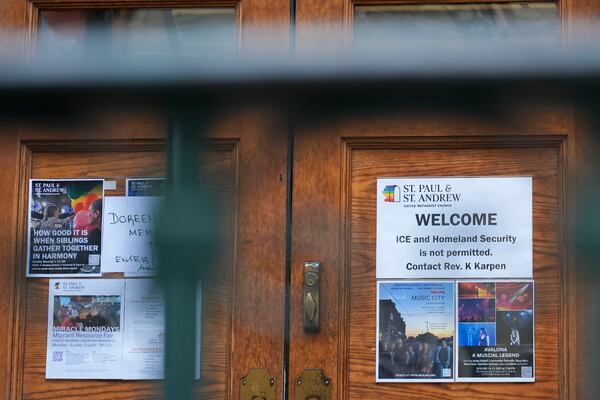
{"x": 258, "y": 384}
{"x": 313, "y": 385}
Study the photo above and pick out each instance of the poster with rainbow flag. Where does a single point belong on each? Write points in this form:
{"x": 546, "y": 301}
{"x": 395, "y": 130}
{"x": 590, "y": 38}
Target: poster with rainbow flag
{"x": 65, "y": 227}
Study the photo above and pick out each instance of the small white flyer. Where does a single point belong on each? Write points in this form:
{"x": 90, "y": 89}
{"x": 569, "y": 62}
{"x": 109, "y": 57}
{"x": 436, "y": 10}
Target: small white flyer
{"x": 144, "y": 325}
{"x": 144, "y": 347}
{"x": 129, "y": 235}
{"x": 85, "y": 329}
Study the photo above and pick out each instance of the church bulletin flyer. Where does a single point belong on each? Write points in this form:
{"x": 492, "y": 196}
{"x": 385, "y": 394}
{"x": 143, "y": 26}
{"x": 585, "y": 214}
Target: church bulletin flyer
{"x": 85, "y": 335}
{"x": 64, "y": 227}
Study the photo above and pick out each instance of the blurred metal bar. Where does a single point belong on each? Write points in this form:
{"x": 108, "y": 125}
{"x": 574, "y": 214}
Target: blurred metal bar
{"x": 586, "y": 230}
{"x": 183, "y": 251}
{"x": 321, "y": 86}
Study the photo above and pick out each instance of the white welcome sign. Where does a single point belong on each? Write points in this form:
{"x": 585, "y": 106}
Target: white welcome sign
{"x": 454, "y": 227}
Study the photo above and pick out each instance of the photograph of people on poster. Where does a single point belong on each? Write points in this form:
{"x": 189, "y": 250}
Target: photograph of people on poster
{"x": 476, "y": 334}
{"x": 415, "y": 331}
{"x": 81, "y": 312}
{"x": 515, "y": 328}
{"x": 476, "y": 310}
{"x": 65, "y": 227}
{"x": 498, "y": 348}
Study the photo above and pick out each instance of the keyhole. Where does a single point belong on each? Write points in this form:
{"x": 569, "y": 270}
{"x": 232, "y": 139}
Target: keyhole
{"x": 310, "y": 279}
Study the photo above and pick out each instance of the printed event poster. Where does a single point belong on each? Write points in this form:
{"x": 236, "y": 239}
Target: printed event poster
{"x": 85, "y": 339}
{"x": 415, "y": 330}
{"x": 495, "y": 327}
{"x": 144, "y": 346}
{"x": 454, "y": 227}
{"x": 65, "y": 227}
{"x": 129, "y": 235}
{"x": 146, "y": 187}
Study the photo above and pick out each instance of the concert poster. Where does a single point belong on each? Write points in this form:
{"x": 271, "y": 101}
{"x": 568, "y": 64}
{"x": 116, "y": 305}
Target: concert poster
{"x": 415, "y": 331}
{"x": 495, "y": 330}
{"x": 64, "y": 227}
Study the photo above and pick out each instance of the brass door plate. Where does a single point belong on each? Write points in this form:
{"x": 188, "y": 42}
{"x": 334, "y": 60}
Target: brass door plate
{"x": 313, "y": 385}
{"x": 258, "y": 385}
{"x": 312, "y": 271}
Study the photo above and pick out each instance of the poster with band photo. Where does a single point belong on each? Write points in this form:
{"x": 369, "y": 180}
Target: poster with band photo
{"x": 495, "y": 331}
{"x": 415, "y": 331}
{"x": 64, "y": 227}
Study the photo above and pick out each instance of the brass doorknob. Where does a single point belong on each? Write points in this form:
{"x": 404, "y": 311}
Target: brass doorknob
{"x": 310, "y": 306}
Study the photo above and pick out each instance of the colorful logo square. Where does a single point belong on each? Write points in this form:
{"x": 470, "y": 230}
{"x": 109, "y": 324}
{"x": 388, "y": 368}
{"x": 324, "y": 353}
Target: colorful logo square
{"x": 391, "y": 194}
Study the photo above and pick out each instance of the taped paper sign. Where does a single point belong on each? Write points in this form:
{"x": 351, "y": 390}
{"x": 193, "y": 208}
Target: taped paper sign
{"x": 454, "y": 227}
{"x": 129, "y": 235}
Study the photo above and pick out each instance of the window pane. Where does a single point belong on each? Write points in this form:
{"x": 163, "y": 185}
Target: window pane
{"x": 532, "y": 22}
{"x": 189, "y": 32}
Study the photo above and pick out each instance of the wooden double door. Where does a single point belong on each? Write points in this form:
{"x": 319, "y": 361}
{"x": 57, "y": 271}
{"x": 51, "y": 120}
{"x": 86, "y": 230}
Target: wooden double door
{"x": 292, "y": 194}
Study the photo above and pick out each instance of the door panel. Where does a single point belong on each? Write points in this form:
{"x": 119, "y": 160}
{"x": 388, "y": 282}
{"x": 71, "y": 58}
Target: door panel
{"x": 217, "y": 170}
{"x": 244, "y": 160}
{"x": 366, "y": 164}
{"x": 334, "y": 221}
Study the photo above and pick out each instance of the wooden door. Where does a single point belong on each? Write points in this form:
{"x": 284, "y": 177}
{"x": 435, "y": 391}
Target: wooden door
{"x": 336, "y": 167}
{"x": 243, "y": 157}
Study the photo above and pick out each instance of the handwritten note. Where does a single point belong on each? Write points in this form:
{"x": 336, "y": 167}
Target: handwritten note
{"x": 128, "y": 235}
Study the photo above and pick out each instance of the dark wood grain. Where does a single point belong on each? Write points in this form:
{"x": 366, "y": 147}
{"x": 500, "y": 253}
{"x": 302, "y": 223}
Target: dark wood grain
{"x": 259, "y": 305}
{"x": 9, "y": 183}
{"x": 120, "y": 4}
{"x": 12, "y": 17}
{"x": 13, "y": 25}
{"x": 585, "y": 179}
